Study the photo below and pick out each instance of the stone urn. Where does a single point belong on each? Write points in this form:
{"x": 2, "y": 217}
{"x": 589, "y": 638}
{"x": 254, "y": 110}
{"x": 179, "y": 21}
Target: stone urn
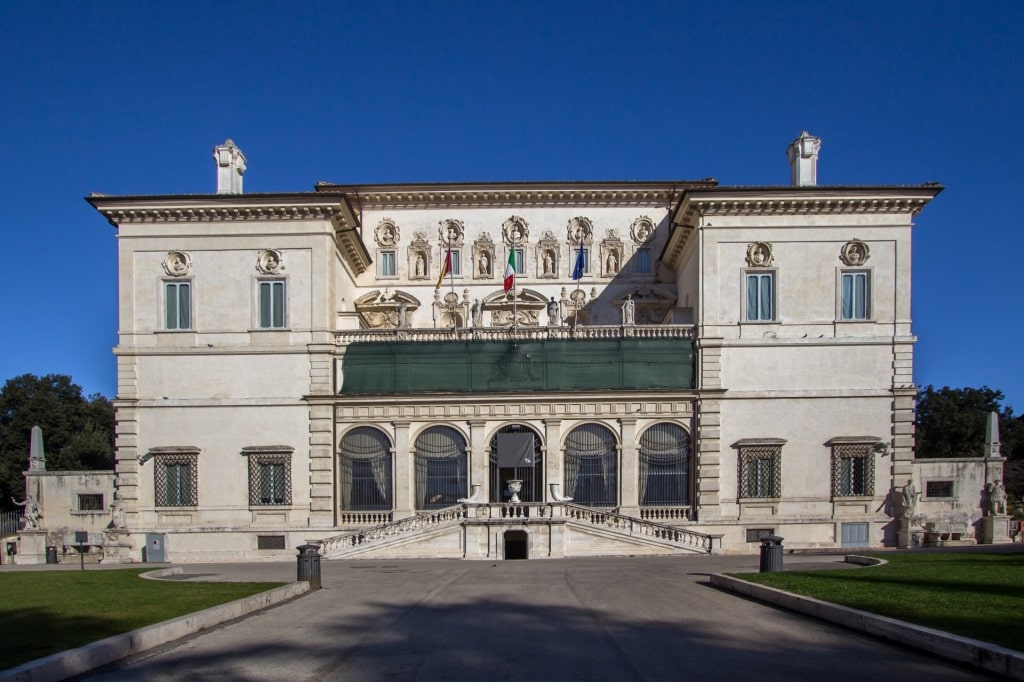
{"x": 515, "y": 486}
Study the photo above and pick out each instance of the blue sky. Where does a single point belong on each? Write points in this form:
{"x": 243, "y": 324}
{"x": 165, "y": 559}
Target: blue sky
{"x": 130, "y": 98}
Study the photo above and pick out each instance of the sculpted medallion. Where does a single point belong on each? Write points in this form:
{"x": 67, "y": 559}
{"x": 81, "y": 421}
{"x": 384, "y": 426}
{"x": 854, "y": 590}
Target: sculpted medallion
{"x": 177, "y": 263}
{"x": 759, "y": 255}
{"x": 269, "y": 262}
{"x": 854, "y": 253}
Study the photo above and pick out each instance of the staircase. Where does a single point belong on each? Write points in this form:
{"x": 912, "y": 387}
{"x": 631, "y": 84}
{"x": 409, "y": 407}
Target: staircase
{"x": 472, "y": 531}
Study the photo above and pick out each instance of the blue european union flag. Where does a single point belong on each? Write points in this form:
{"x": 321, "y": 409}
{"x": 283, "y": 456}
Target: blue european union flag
{"x": 577, "y": 271}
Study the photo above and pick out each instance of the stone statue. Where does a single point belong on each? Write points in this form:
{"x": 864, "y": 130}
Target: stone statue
{"x": 403, "y": 309}
{"x": 995, "y": 498}
{"x": 548, "y": 263}
{"x": 32, "y": 512}
{"x": 628, "y": 310}
{"x": 554, "y": 314}
{"x": 485, "y": 264}
{"x": 419, "y": 265}
{"x": 904, "y": 500}
{"x": 477, "y": 310}
{"x": 613, "y": 263}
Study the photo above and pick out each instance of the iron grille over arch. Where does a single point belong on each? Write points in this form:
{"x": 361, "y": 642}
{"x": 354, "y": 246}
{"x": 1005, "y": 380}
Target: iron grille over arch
{"x": 441, "y": 467}
{"x": 532, "y": 477}
{"x": 591, "y": 466}
{"x": 664, "y": 466}
{"x": 365, "y": 470}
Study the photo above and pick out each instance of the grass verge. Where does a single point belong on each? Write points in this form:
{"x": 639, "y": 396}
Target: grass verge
{"x": 42, "y": 613}
{"x": 974, "y": 595}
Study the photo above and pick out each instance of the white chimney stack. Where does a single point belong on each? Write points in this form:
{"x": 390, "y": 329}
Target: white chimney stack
{"x": 230, "y": 167}
{"x": 803, "y": 160}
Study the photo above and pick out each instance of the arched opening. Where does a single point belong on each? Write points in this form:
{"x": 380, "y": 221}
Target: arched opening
{"x": 515, "y": 453}
{"x": 365, "y": 470}
{"x": 591, "y": 466}
{"x": 441, "y": 465}
{"x": 664, "y": 466}
{"x": 516, "y": 544}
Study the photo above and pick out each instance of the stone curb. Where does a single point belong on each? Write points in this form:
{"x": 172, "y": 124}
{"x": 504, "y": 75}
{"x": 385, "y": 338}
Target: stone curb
{"x": 91, "y": 656}
{"x": 990, "y": 657}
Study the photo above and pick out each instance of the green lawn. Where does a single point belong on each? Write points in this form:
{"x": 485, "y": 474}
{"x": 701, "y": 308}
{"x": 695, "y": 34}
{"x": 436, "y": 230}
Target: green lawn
{"x": 43, "y": 612}
{"x": 975, "y": 595}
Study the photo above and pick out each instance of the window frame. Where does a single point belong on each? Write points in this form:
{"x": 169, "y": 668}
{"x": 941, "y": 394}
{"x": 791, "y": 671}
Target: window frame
{"x": 853, "y": 450}
{"x": 165, "y": 286}
{"x": 269, "y": 456}
{"x": 91, "y": 510}
{"x": 643, "y": 257}
{"x": 951, "y": 482}
{"x": 841, "y": 275}
{"x": 772, "y": 275}
{"x": 181, "y": 459}
{"x": 382, "y": 258}
{"x": 751, "y": 452}
{"x": 520, "y": 256}
{"x": 272, "y": 282}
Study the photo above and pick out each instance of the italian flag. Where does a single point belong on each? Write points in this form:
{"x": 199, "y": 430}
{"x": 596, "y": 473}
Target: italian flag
{"x": 510, "y": 270}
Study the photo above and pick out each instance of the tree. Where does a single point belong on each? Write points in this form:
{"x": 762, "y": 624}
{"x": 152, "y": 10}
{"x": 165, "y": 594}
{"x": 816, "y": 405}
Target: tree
{"x": 951, "y": 423}
{"x": 78, "y": 432}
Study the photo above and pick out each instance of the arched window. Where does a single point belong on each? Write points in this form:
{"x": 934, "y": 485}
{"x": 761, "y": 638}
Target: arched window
{"x": 665, "y": 466}
{"x": 591, "y": 466}
{"x": 441, "y": 465}
{"x": 365, "y": 470}
{"x": 514, "y": 464}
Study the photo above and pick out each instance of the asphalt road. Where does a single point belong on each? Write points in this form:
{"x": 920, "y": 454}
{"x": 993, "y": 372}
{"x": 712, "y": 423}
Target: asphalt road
{"x": 609, "y": 619}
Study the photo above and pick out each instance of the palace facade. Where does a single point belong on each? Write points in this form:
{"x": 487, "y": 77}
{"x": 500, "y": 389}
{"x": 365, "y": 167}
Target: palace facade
{"x": 695, "y": 365}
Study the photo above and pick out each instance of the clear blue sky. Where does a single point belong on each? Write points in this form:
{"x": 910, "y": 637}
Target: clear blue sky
{"x": 130, "y": 98}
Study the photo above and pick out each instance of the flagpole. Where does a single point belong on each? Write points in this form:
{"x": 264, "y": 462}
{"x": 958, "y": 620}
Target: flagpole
{"x": 515, "y": 303}
{"x": 451, "y": 276}
{"x": 576, "y": 316}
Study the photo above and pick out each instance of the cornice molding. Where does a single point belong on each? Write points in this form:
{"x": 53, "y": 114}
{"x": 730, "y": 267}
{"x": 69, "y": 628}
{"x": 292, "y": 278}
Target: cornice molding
{"x": 694, "y": 208}
{"x": 121, "y": 215}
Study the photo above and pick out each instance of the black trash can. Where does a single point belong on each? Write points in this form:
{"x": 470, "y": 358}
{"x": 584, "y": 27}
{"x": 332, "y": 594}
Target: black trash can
{"x": 309, "y": 565}
{"x": 51, "y": 555}
{"x": 771, "y": 554}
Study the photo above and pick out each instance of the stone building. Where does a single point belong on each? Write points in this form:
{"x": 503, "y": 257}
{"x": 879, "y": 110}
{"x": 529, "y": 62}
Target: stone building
{"x": 695, "y": 365}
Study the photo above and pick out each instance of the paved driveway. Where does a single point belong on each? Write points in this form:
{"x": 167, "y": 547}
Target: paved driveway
{"x": 580, "y": 619}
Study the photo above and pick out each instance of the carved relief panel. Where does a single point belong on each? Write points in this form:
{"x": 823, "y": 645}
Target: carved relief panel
{"x": 419, "y": 257}
{"x": 177, "y": 263}
{"x": 526, "y": 307}
{"x": 760, "y": 255}
{"x": 515, "y": 231}
{"x": 651, "y": 305}
{"x": 386, "y": 234}
{"x": 449, "y": 310}
{"x": 269, "y": 262}
{"x": 611, "y": 254}
{"x": 576, "y": 306}
{"x": 580, "y": 231}
{"x": 548, "y": 256}
{"x": 854, "y": 253}
{"x": 642, "y": 230}
{"x": 450, "y": 232}
{"x": 483, "y": 257}
{"x": 386, "y": 309}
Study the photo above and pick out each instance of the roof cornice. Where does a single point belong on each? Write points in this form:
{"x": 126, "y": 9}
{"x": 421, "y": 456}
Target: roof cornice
{"x": 195, "y": 208}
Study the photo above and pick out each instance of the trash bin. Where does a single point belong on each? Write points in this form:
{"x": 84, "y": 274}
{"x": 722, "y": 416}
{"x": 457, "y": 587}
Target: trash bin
{"x": 51, "y": 555}
{"x": 771, "y": 554}
{"x": 309, "y": 565}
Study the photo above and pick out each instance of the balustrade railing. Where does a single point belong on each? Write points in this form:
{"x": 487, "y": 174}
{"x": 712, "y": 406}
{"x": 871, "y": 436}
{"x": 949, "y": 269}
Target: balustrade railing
{"x": 646, "y": 331}
{"x": 426, "y": 520}
{"x": 639, "y": 527}
{"x": 364, "y": 518}
{"x": 665, "y": 513}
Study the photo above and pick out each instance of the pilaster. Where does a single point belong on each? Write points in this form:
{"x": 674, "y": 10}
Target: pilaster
{"x": 629, "y": 504}
{"x": 321, "y": 467}
{"x": 405, "y": 505}
{"x": 553, "y": 455}
{"x": 709, "y": 458}
{"x": 479, "y": 458}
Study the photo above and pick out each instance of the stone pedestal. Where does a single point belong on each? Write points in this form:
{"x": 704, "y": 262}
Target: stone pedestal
{"x": 995, "y": 530}
{"x": 903, "y": 533}
{"x": 31, "y": 548}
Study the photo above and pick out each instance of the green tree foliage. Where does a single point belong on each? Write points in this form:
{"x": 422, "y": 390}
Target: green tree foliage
{"x": 951, "y": 423}
{"x": 78, "y": 431}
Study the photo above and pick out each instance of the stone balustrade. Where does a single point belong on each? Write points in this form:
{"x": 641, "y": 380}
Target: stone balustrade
{"x": 647, "y": 331}
{"x": 681, "y": 537}
{"x": 338, "y": 544}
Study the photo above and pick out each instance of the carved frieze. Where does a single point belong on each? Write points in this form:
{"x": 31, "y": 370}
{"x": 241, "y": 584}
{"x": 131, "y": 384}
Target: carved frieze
{"x": 269, "y": 262}
{"x": 854, "y": 253}
{"x": 760, "y": 255}
{"x": 177, "y": 263}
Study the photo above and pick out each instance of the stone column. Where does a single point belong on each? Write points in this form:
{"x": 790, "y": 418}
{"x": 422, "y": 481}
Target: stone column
{"x": 629, "y": 468}
{"x": 553, "y": 457}
{"x": 405, "y": 481}
{"x": 479, "y": 458}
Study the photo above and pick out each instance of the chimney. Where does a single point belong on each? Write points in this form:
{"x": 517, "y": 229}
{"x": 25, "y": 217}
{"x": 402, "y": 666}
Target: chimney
{"x": 803, "y": 160}
{"x": 230, "y": 168}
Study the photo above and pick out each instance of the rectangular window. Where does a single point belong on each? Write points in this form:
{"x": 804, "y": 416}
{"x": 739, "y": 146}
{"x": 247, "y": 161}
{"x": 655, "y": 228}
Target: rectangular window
{"x": 271, "y": 304}
{"x": 760, "y": 469}
{"x": 269, "y": 542}
{"x": 856, "y": 291}
{"x": 90, "y": 502}
{"x": 270, "y": 478}
{"x": 520, "y": 261}
{"x": 643, "y": 261}
{"x": 387, "y": 263}
{"x": 938, "y": 489}
{"x": 456, "y": 263}
{"x": 760, "y": 296}
{"x": 177, "y": 305}
{"x": 175, "y": 480}
{"x": 853, "y": 469}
